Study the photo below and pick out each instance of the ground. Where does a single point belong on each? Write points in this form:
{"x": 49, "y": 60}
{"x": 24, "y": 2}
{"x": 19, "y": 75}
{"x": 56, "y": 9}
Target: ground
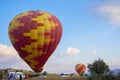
{"x": 50, "y": 76}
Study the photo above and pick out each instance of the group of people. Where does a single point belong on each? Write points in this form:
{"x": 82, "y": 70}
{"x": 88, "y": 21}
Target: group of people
{"x": 12, "y": 76}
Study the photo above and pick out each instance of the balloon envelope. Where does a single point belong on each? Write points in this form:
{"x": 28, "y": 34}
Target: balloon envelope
{"x": 80, "y": 69}
{"x": 35, "y": 35}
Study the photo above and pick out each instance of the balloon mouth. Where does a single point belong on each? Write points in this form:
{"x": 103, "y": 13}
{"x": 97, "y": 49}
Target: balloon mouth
{"x": 38, "y": 71}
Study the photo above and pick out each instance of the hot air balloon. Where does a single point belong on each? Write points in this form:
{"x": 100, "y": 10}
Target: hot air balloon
{"x": 80, "y": 69}
{"x": 35, "y": 35}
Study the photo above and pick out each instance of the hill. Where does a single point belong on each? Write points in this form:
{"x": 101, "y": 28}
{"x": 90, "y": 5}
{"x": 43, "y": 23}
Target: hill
{"x": 115, "y": 71}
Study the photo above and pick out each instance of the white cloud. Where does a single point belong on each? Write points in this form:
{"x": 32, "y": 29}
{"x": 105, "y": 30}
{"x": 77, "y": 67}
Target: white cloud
{"x": 7, "y": 50}
{"x": 60, "y": 64}
{"x": 63, "y": 62}
{"x": 71, "y": 50}
{"x": 9, "y": 58}
{"x": 112, "y": 11}
{"x": 92, "y": 50}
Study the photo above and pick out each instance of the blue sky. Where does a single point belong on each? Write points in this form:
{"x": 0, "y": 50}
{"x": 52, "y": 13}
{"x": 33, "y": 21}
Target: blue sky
{"x": 91, "y": 30}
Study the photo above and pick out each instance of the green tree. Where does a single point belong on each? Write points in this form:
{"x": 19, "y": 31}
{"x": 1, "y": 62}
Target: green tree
{"x": 98, "y": 67}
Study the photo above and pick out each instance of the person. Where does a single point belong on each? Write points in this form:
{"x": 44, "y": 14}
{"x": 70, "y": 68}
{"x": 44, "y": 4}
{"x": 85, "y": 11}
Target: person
{"x": 15, "y": 76}
{"x": 0, "y": 76}
{"x": 20, "y": 77}
{"x": 10, "y": 76}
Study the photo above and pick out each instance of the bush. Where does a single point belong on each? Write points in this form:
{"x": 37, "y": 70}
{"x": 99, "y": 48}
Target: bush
{"x": 105, "y": 77}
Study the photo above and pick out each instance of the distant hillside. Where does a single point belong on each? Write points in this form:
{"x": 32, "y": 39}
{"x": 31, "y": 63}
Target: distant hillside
{"x": 115, "y": 71}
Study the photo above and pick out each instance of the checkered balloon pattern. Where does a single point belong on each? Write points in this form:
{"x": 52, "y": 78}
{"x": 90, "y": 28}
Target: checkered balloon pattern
{"x": 35, "y": 35}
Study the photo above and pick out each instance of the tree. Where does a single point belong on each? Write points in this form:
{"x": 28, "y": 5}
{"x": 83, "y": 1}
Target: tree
{"x": 98, "y": 67}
